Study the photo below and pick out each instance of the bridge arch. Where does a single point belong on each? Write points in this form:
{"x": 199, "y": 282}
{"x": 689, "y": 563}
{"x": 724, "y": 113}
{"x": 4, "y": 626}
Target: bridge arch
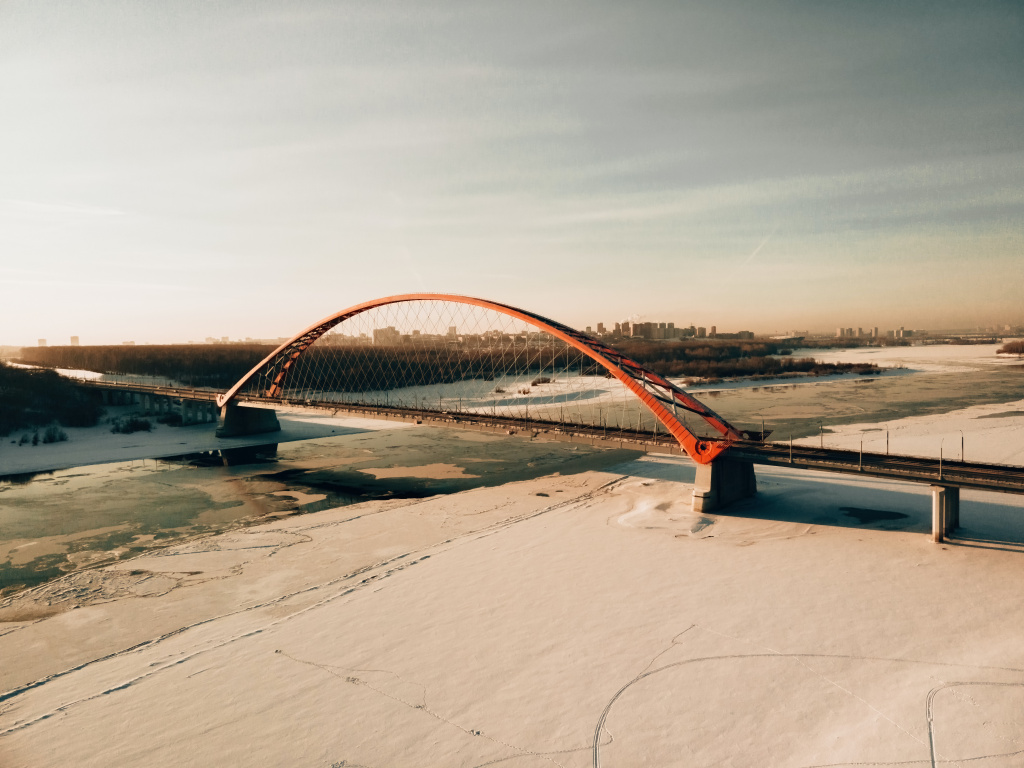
{"x": 656, "y": 393}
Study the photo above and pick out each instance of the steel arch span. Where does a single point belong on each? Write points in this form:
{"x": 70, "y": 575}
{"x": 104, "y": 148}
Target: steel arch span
{"x": 660, "y": 397}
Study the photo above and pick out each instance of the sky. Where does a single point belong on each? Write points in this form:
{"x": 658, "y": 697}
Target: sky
{"x": 176, "y": 170}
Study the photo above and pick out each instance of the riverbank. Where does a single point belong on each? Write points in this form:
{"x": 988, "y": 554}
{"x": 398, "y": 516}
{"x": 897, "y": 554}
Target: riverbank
{"x": 87, "y": 446}
{"x": 576, "y": 620}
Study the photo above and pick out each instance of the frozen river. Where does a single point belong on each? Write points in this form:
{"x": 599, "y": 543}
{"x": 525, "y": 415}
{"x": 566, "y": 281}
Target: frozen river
{"x": 54, "y": 522}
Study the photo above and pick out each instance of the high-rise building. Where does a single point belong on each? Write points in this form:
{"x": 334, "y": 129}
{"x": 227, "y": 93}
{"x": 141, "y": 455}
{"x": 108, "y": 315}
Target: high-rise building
{"x": 74, "y": 341}
{"x": 839, "y": 333}
{"x": 42, "y": 342}
{"x": 714, "y": 331}
{"x": 600, "y": 328}
{"x": 702, "y": 332}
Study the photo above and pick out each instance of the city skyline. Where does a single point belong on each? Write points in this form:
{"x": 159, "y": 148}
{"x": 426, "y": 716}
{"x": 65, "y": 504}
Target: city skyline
{"x": 174, "y": 171}
{"x": 644, "y": 330}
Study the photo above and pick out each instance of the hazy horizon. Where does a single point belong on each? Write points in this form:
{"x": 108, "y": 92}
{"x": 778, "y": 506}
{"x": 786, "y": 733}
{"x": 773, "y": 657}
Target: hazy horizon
{"x": 175, "y": 171}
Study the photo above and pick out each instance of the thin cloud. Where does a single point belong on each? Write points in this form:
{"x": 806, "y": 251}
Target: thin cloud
{"x": 34, "y": 207}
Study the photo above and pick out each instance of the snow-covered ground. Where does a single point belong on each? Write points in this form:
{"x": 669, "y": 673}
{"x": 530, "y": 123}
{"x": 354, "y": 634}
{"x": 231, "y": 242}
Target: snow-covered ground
{"x": 984, "y": 433}
{"x": 98, "y": 445}
{"x": 947, "y": 358}
{"x": 578, "y": 619}
{"x": 587, "y": 619}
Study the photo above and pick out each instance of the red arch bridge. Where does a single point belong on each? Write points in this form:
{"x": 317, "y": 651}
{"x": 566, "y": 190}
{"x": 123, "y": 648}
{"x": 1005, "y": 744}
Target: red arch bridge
{"x": 477, "y": 363}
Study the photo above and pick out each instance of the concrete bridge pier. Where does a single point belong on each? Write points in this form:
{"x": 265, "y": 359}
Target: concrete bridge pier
{"x": 237, "y": 420}
{"x": 721, "y": 483}
{"x": 945, "y": 511}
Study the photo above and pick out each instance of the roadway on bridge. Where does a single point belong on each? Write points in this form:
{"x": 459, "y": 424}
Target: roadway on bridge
{"x": 936, "y": 471}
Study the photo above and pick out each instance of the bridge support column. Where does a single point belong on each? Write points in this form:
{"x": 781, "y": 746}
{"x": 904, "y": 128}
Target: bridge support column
{"x": 952, "y": 509}
{"x": 722, "y": 482}
{"x": 945, "y": 511}
{"x": 237, "y": 420}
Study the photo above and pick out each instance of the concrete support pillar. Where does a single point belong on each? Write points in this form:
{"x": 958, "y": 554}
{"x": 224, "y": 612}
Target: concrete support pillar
{"x": 236, "y": 420}
{"x": 105, "y": 396}
{"x": 722, "y": 482}
{"x": 945, "y": 511}
{"x": 952, "y": 509}
{"x": 186, "y": 412}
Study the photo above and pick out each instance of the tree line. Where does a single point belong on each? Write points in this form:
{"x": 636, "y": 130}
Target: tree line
{"x": 380, "y": 367}
{"x": 32, "y": 398}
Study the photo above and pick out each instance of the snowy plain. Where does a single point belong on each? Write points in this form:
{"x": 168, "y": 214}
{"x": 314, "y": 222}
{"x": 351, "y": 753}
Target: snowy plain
{"x": 577, "y": 618}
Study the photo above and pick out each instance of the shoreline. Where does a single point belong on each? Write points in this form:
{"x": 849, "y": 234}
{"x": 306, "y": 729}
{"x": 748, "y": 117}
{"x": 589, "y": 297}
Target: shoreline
{"x": 87, "y": 446}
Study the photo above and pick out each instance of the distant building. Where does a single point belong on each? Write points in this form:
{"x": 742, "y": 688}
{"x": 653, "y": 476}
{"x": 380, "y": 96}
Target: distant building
{"x": 839, "y": 333}
{"x": 874, "y": 332}
{"x": 714, "y": 331}
{"x": 74, "y": 341}
{"x": 127, "y": 343}
{"x": 600, "y": 328}
{"x": 390, "y": 335}
{"x": 626, "y": 329}
{"x": 702, "y": 332}
{"x": 589, "y": 329}
{"x": 42, "y": 342}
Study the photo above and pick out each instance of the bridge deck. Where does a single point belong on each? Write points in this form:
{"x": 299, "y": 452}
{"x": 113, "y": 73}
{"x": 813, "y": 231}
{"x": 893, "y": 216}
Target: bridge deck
{"x": 956, "y": 474}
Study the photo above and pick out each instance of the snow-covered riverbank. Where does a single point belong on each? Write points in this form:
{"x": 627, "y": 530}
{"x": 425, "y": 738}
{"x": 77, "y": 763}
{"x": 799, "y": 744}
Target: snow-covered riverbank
{"x": 98, "y": 445}
{"x": 576, "y": 620}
